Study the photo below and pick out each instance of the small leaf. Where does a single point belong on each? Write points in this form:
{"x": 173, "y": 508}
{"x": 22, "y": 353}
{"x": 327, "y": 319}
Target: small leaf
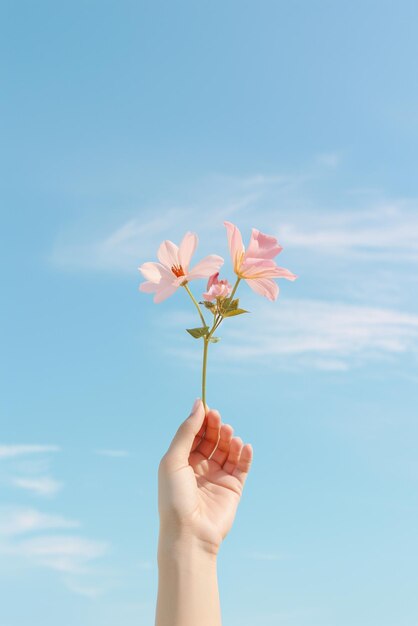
{"x": 215, "y": 339}
{"x": 208, "y": 305}
{"x": 235, "y": 312}
{"x": 229, "y": 305}
{"x": 198, "y": 332}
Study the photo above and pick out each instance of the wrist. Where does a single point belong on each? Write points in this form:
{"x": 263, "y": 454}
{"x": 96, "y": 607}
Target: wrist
{"x": 181, "y": 545}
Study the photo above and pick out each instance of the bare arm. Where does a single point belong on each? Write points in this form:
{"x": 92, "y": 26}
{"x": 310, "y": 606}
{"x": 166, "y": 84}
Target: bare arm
{"x": 201, "y": 478}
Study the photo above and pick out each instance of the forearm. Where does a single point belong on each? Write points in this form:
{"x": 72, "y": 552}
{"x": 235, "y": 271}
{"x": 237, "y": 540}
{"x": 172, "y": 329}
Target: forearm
{"x": 187, "y": 583}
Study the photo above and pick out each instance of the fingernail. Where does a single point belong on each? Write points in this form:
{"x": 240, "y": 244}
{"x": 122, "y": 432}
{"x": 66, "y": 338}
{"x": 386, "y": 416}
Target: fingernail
{"x": 195, "y": 406}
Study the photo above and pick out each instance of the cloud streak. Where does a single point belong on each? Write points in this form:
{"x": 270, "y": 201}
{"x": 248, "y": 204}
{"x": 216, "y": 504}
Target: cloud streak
{"x": 16, "y": 521}
{"x": 69, "y": 554}
{"x": 18, "y": 450}
{"x": 316, "y": 334}
{"x": 41, "y": 485}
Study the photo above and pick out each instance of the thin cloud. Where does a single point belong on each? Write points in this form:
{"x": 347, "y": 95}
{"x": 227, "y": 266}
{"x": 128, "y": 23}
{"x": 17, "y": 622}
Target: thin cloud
{"x": 316, "y": 335}
{"x": 302, "y": 327}
{"x": 17, "y": 450}
{"x": 83, "y": 589}
{"x": 371, "y": 227}
{"x": 24, "y": 541}
{"x": 69, "y": 554}
{"x": 41, "y": 485}
{"x": 16, "y": 521}
{"x": 387, "y": 231}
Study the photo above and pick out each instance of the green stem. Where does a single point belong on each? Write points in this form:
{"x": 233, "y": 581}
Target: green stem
{"x": 235, "y": 288}
{"x": 216, "y": 323}
{"x": 205, "y": 359}
{"x": 187, "y": 288}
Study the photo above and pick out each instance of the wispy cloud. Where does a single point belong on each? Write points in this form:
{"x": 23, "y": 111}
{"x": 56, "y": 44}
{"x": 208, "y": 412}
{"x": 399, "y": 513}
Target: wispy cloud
{"x": 41, "y": 485}
{"x": 386, "y": 230}
{"x": 317, "y": 334}
{"x": 306, "y": 326}
{"x": 17, "y": 521}
{"x": 17, "y": 450}
{"x": 70, "y": 554}
{"x": 25, "y": 539}
{"x": 290, "y": 205}
{"x": 83, "y": 589}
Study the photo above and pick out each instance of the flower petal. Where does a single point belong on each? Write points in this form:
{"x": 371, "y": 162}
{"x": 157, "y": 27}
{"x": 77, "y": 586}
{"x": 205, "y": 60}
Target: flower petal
{"x": 264, "y": 287}
{"x": 236, "y": 247}
{"x": 262, "y": 246}
{"x": 153, "y": 271}
{"x": 207, "y": 266}
{"x": 148, "y": 287}
{"x": 213, "y": 279}
{"x": 187, "y": 248}
{"x": 168, "y": 254}
{"x": 282, "y": 272}
{"x": 165, "y": 292}
{"x": 264, "y": 268}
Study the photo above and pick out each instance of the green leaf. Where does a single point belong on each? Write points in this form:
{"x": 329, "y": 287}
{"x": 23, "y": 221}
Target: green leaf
{"x": 215, "y": 339}
{"x": 229, "y": 305}
{"x": 197, "y": 333}
{"x": 235, "y": 312}
{"x": 208, "y": 305}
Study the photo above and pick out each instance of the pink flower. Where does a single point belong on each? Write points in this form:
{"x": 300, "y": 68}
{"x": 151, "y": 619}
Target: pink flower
{"x": 256, "y": 265}
{"x": 172, "y": 272}
{"x": 217, "y": 288}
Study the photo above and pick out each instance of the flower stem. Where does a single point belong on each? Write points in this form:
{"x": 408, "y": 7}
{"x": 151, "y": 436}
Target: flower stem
{"x": 235, "y": 288}
{"x": 205, "y": 359}
{"x": 187, "y": 288}
{"x": 206, "y": 339}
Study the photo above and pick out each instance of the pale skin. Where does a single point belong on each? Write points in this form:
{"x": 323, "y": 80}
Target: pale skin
{"x": 201, "y": 479}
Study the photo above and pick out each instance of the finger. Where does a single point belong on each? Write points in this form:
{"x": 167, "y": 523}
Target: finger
{"x": 198, "y": 437}
{"x": 221, "y": 453}
{"x": 233, "y": 456}
{"x": 187, "y": 432}
{"x": 211, "y": 437}
{"x": 244, "y": 463}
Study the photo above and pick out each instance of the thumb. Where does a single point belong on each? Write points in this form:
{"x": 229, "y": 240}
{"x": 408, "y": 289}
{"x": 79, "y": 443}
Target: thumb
{"x": 183, "y": 439}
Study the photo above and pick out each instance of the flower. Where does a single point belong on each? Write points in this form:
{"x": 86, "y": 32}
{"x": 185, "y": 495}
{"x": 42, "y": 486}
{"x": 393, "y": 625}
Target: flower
{"x": 255, "y": 265}
{"x": 172, "y": 272}
{"x": 217, "y": 288}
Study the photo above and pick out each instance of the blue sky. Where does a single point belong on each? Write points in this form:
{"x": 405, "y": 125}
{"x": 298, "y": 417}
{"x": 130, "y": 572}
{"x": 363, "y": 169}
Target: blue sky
{"x": 126, "y": 123}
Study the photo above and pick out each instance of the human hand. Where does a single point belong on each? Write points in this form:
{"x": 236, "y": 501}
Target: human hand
{"x": 201, "y": 479}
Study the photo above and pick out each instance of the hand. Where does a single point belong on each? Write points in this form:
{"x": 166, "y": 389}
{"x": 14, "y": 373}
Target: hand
{"x": 201, "y": 478}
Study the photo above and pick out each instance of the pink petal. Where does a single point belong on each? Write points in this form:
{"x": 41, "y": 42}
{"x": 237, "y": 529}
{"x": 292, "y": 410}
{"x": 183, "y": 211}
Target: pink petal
{"x": 186, "y": 249}
{"x": 258, "y": 268}
{"x": 153, "y": 271}
{"x": 282, "y": 272}
{"x": 213, "y": 279}
{"x": 165, "y": 292}
{"x": 207, "y": 266}
{"x": 264, "y": 287}
{"x": 264, "y": 268}
{"x": 148, "y": 287}
{"x": 168, "y": 254}
{"x": 262, "y": 246}
{"x": 236, "y": 247}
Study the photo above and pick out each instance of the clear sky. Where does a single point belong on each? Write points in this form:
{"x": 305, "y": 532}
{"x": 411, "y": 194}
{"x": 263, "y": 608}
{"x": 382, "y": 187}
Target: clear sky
{"x": 125, "y": 123}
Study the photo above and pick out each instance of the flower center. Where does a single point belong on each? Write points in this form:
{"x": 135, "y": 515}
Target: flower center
{"x": 177, "y": 271}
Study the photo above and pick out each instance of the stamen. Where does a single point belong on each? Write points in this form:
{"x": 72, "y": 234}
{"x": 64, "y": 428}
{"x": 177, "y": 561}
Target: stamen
{"x": 178, "y": 271}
